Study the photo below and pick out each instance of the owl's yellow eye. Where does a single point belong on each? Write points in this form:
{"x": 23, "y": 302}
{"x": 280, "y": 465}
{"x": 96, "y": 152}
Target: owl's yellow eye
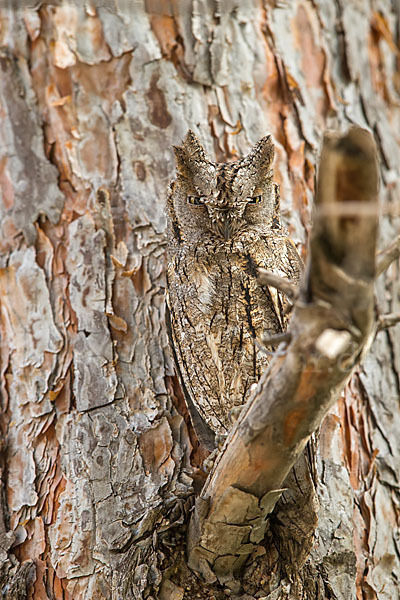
{"x": 196, "y": 200}
{"x": 255, "y": 199}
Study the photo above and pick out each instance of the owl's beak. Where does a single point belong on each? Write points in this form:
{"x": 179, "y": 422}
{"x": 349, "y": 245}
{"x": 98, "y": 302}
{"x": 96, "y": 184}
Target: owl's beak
{"x": 227, "y": 229}
{"x": 224, "y": 224}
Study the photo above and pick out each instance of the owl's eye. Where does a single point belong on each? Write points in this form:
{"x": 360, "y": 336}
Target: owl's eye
{"x": 196, "y": 200}
{"x": 255, "y": 199}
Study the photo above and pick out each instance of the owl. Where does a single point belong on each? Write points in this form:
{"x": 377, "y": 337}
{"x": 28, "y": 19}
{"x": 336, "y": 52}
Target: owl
{"x": 223, "y": 224}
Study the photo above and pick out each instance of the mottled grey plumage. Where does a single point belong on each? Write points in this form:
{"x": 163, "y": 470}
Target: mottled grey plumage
{"x": 223, "y": 224}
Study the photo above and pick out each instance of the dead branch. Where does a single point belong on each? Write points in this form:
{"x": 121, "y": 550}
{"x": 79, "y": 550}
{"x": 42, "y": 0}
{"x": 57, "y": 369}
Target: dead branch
{"x": 389, "y": 320}
{"x": 275, "y": 339}
{"x": 281, "y": 283}
{"x": 331, "y": 328}
{"x": 388, "y": 255}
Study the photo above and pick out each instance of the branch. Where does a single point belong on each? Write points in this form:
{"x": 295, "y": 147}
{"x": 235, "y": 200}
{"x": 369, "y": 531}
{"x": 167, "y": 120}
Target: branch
{"x": 331, "y": 328}
{"x": 389, "y": 320}
{"x": 275, "y": 339}
{"x": 281, "y": 283}
{"x": 387, "y": 256}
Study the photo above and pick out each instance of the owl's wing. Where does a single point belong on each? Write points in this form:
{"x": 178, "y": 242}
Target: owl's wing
{"x": 205, "y": 434}
{"x": 286, "y": 263}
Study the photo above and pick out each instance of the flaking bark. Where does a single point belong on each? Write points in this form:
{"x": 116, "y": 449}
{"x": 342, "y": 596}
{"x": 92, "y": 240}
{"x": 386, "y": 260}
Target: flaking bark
{"x": 99, "y": 462}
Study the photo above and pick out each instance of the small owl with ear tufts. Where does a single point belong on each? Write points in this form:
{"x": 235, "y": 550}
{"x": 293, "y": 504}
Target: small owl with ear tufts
{"x": 223, "y": 225}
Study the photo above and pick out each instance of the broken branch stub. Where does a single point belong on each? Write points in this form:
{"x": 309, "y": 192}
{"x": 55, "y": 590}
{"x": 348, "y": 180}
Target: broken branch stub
{"x": 388, "y": 255}
{"x": 280, "y": 283}
{"x": 331, "y": 328}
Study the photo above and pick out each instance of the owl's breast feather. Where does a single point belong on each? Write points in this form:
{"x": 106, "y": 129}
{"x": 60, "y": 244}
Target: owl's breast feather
{"x": 205, "y": 288}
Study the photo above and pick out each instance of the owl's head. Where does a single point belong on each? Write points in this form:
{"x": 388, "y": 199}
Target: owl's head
{"x": 224, "y": 199}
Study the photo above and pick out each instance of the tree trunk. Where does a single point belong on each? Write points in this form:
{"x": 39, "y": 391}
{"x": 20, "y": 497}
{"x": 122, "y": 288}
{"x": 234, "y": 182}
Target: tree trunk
{"x": 100, "y": 465}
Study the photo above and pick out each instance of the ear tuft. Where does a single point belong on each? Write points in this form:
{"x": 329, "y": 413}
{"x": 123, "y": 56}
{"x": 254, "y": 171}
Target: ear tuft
{"x": 256, "y": 167}
{"x": 191, "y": 150}
{"x": 262, "y": 154}
{"x": 193, "y": 146}
{"x": 191, "y": 158}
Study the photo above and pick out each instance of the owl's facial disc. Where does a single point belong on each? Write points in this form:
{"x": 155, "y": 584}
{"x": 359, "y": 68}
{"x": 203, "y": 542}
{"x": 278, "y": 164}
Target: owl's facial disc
{"x": 225, "y": 199}
{"x": 226, "y": 218}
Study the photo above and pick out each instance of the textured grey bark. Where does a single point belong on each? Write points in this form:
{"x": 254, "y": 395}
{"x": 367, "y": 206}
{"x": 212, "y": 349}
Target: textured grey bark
{"x": 98, "y": 461}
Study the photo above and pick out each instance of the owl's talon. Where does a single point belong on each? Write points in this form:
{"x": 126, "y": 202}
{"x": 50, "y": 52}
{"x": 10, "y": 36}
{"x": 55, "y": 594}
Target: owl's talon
{"x": 234, "y": 413}
{"x": 208, "y": 463}
{"x": 220, "y": 439}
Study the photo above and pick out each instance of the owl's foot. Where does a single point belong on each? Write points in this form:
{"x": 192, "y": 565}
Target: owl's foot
{"x": 234, "y": 413}
{"x": 220, "y": 439}
{"x": 208, "y": 463}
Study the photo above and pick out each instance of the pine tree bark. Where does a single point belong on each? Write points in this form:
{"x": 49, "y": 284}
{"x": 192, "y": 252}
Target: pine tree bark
{"x": 99, "y": 464}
